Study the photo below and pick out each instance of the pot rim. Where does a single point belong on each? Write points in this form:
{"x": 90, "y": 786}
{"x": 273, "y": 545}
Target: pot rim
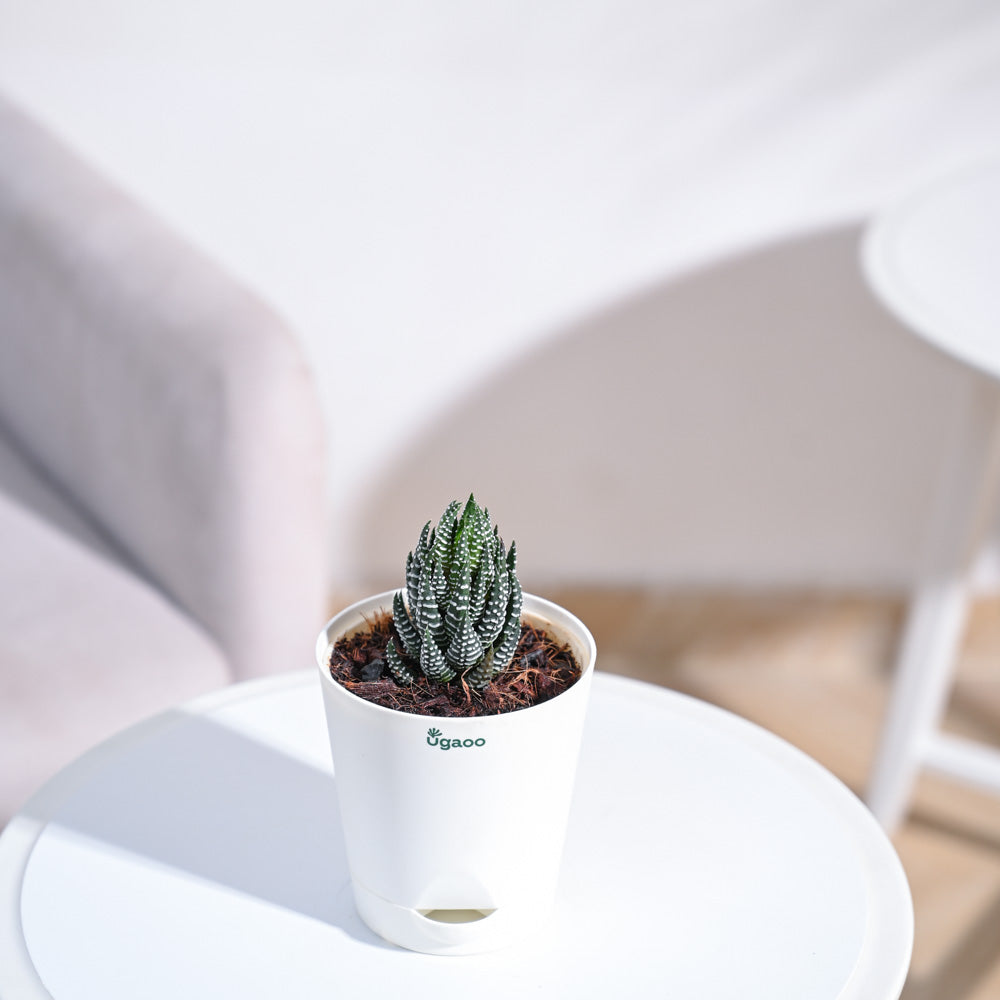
{"x": 563, "y": 622}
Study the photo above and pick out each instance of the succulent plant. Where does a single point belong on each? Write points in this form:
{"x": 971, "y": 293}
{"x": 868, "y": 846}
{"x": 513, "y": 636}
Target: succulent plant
{"x": 462, "y": 611}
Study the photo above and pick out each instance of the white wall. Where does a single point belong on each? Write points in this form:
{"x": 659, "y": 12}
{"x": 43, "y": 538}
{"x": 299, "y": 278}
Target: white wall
{"x": 594, "y": 260}
{"x": 759, "y": 420}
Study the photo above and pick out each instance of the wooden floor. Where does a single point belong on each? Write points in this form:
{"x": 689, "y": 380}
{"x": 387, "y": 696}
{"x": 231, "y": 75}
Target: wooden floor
{"x": 815, "y": 670}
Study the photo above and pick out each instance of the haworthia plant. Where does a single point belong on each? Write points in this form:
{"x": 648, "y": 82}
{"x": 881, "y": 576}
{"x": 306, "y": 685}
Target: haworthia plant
{"x": 462, "y": 611}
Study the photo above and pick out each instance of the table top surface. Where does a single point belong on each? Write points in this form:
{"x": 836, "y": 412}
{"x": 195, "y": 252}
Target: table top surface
{"x": 199, "y": 854}
{"x": 933, "y": 259}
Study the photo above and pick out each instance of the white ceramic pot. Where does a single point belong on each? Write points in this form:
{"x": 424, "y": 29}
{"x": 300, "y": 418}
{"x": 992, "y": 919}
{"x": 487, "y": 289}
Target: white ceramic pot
{"x": 454, "y": 828}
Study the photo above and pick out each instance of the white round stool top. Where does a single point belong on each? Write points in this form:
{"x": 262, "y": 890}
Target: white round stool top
{"x": 199, "y": 855}
{"x": 934, "y": 260}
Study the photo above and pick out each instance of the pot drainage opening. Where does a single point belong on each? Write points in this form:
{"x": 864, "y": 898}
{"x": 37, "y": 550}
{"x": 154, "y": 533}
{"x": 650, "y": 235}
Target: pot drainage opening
{"x": 455, "y": 916}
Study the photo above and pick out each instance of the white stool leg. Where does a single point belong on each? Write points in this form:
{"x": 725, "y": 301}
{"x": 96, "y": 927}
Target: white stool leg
{"x": 937, "y": 613}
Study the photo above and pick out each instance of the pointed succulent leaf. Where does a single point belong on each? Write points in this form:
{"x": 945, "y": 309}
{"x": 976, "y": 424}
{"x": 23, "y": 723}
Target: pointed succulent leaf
{"x": 428, "y": 613}
{"x": 423, "y": 544}
{"x": 465, "y": 649}
{"x": 433, "y": 663}
{"x": 460, "y": 558}
{"x": 404, "y": 626}
{"x": 446, "y": 528}
{"x": 512, "y": 558}
{"x": 489, "y": 556}
{"x": 500, "y": 556}
{"x": 474, "y": 529}
{"x": 440, "y": 583}
{"x": 458, "y": 603}
{"x": 503, "y": 651}
{"x": 416, "y": 604}
{"x": 400, "y": 672}
{"x": 481, "y": 584}
{"x": 495, "y": 612}
{"x": 412, "y": 580}
{"x": 516, "y": 598}
{"x": 482, "y": 673}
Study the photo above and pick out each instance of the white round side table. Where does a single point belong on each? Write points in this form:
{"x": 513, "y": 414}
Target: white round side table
{"x": 199, "y": 855}
{"x": 933, "y": 260}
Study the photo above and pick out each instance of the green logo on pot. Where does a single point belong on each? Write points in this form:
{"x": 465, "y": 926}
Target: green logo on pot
{"x": 435, "y": 739}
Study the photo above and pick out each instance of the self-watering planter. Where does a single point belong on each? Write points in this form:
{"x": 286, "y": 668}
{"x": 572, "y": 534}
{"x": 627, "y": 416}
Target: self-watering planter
{"x": 454, "y": 827}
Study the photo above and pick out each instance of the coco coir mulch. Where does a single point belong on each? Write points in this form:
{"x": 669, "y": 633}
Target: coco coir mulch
{"x": 540, "y": 670}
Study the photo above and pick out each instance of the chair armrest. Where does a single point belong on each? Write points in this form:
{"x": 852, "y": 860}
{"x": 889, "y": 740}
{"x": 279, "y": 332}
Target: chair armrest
{"x": 166, "y": 399}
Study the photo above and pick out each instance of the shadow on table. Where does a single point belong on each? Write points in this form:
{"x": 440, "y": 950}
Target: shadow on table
{"x": 218, "y": 805}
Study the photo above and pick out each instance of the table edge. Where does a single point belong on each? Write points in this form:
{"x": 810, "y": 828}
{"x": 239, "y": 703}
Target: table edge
{"x": 877, "y": 239}
{"x": 19, "y": 979}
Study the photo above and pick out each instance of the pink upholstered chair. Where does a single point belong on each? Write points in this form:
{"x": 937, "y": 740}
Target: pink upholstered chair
{"x": 161, "y": 468}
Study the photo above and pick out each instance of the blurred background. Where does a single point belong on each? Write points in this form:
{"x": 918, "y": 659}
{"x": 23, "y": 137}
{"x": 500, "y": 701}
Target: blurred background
{"x": 598, "y": 263}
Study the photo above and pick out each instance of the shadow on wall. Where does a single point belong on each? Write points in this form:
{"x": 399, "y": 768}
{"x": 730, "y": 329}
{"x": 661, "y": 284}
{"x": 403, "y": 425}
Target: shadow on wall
{"x": 759, "y": 422}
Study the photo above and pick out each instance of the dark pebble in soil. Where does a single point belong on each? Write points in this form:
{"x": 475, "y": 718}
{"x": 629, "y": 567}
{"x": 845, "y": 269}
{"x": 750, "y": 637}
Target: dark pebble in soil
{"x": 372, "y": 671}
